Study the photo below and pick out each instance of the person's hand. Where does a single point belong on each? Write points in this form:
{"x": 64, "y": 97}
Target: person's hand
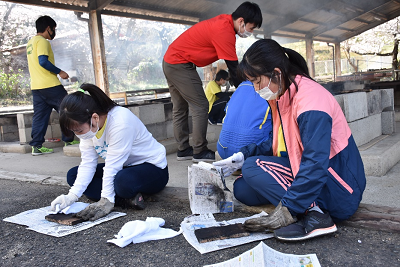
{"x": 231, "y": 164}
{"x": 96, "y": 210}
{"x": 280, "y": 217}
{"x": 64, "y": 201}
{"x": 63, "y": 74}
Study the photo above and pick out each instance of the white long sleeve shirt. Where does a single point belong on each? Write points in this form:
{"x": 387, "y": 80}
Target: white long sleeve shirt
{"x": 125, "y": 141}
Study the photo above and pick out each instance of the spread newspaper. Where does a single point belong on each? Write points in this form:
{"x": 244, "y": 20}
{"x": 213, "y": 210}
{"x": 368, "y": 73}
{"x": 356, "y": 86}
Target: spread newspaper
{"x": 194, "y": 222}
{"x": 207, "y": 190}
{"x": 264, "y": 256}
{"x": 35, "y": 220}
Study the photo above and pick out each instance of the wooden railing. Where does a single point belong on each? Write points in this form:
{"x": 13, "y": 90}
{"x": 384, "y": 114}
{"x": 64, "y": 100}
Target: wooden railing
{"x": 127, "y": 94}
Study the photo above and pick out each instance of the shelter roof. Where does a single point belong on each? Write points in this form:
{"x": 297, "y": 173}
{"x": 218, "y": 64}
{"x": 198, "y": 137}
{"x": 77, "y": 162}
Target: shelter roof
{"x": 321, "y": 20}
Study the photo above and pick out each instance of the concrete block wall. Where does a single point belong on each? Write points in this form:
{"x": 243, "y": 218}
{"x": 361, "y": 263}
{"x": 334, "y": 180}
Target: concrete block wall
{"x": 369, "y": 114}
{"x": 24, "y": 122}
{"x": 156, "y": 117}
{"x": 8, "y": 129}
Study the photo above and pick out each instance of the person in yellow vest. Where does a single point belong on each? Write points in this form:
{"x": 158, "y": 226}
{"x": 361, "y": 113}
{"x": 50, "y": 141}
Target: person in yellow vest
{"x": 47, "y": 90}
{"x": 217, "y": 99}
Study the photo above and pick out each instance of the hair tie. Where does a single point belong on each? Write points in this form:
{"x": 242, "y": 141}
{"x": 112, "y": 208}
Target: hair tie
{"x": 285, "y": 51}
{"x": 81, "y": 90}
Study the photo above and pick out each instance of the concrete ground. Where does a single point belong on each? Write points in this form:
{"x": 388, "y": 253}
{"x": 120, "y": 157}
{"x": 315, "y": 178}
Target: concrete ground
{"x": 29, "y": 182}
{"x": 52, "y": 168}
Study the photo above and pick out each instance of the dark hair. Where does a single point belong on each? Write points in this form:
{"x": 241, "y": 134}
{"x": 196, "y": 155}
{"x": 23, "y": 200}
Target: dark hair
{"x": 250, "y": 12}
{"x": 265, "y": 55}
{"x": 43, "y": 22}
{"x": 79, "y": 107}
{"x": 222, "y": 74}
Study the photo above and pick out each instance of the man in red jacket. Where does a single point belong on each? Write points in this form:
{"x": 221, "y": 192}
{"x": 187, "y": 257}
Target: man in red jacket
{"x": 199, "y": 46}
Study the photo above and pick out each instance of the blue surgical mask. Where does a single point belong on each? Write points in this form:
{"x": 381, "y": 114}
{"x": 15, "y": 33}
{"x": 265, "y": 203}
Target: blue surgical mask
{"x": 89, "y": 134}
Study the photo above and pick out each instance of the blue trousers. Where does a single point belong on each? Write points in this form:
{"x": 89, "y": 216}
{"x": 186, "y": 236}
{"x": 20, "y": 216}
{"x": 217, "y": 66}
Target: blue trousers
{"x": 144, "y": 178}
{"x": 263, "y": 183}
{"x": 44, "y": 101}
{"x": 217, "y": 112}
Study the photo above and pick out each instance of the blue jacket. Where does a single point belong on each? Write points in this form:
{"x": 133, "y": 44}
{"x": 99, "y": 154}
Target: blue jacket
{"x": 324, "y": 159}
{"x": 247, "y": 120}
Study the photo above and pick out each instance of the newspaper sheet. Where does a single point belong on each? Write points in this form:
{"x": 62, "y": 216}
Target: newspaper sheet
{"x": 35, "y": 221}
{"x": 264, "y": 256}
{"x": 194, "y": 222}
{"x": 207, "y": 190}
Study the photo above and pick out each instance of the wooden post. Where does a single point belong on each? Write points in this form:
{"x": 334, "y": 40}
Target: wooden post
{"x": 338, "y": 61}
{"x": 98, "y": 51}
{"x": 310, "y": 57}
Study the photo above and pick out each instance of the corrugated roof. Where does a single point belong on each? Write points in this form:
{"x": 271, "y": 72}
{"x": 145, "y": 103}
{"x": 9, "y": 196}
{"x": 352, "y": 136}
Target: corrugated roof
{"x": 321, "y": 20}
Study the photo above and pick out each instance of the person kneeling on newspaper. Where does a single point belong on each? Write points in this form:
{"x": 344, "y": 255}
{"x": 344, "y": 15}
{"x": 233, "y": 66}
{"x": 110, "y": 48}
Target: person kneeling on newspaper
{"x": 135, "y": 163}
{"x": 311, "y": 169}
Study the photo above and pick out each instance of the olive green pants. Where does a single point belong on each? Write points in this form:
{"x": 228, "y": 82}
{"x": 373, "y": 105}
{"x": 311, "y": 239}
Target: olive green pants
{"x": 187, "y": 93}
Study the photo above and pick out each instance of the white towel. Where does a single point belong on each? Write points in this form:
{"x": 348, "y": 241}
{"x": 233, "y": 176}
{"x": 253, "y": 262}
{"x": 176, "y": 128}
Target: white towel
{"x": 74, "y": 208}
{"x": 141, "y": 231}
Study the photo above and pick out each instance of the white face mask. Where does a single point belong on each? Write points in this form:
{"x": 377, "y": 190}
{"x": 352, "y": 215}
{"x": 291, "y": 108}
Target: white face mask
{"x": 89, "y": 134}
{"x": 267, "y": 94}
{"x": 245, "y": 34}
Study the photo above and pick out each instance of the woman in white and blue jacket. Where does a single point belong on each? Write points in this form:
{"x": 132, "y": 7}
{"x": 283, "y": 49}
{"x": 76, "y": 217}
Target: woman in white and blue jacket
{"x": 311, "y": 170}
{"x": 134, "y": 162}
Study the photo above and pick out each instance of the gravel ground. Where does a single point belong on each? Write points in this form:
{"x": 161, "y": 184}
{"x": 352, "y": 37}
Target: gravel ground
{"x": 21, "y": 247}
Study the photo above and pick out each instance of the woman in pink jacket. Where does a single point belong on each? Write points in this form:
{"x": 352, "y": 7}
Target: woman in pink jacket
{"x": 311, "y": 170}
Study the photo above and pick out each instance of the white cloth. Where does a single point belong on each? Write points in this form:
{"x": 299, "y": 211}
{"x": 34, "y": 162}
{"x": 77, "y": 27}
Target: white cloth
{"x": 124, "y": 142}
{"x": 74, "y": 208}
{"x": 142, "y": 231}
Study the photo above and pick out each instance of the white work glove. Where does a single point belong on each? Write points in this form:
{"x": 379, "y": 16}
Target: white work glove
{"x": 96, "y": 210}
{"x": 231, "y": 164}
{"x": 64, "y": 201}
{"x": 280, "y": 217}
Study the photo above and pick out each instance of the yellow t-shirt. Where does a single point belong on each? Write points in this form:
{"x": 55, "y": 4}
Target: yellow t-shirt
{"x": 40, "y": 77}
{"x": 212, "y": 89}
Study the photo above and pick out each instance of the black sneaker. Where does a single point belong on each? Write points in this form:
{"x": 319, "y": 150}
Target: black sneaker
{"x": 185, "y": 154}
{"x": 136, "y": 202}
{"x": 313, "y": 224}
{"x": 205, "y": 155}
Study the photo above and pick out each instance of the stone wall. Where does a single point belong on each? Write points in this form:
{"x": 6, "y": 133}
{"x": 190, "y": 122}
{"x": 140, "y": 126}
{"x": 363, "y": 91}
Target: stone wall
{"x": 369, "y": 114}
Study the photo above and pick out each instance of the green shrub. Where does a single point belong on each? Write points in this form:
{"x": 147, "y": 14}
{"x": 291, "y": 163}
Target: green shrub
{"x": 12, "y": 85}
{"x": 14, "y": 89}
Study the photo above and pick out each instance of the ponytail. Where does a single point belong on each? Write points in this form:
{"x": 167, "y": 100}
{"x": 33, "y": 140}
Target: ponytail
{"x": 79, "y": 107}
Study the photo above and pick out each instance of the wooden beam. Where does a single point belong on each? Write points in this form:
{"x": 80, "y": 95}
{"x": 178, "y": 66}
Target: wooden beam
{"x": 163, "y": 9}
{"x": 51, "y": 5}
{"x": 98, "y": 51}
{"x": 119, "y": 95}
{"x": 338, "y": 61}
{"x": 374, "y": 217}
{"x": 310, "y": 57}
{"x": 354, "y": 15}
{"x": 99, "y": 4}
{"x": 146, "y": 17}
